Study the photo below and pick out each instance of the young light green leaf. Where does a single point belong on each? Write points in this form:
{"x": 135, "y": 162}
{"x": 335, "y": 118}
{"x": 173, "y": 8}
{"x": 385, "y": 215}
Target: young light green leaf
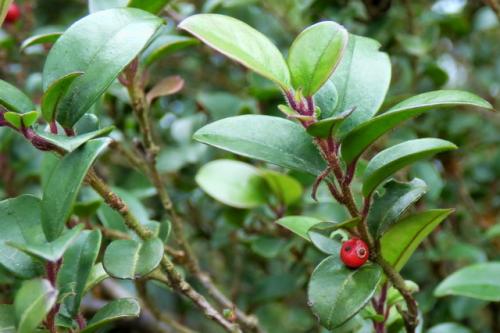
{"x": 14, "y": 119}
{"x": 396, "y": 199}
{"x": 50, "y": 37}
{"x": 322, "y": 240}
{"x": 33, "y": 301}
{"x": 50, "y": 251}
{"x": 392, "y": 159}
{"x": 360, "y": 138}
{"x": 233, "y": 183}
{"x": 76, "y": 269}
{"x": 130, "y": 259}
{"x": 152, "y": 6}
{"x": 362, "y": 80}
{"x": 478, "y": 281}
{"x": 88, "y": 46}
{"x": 20, "y": 223}
{"x": 29, "y": 118}
{"x": 271, "y": 139}
{"x": 403, "y": 238}
{"x": 59, "y": 194}
{"x": 336, "y": 293}
{"x": 54, "y": 93}
{"x": 71, "y": 143}
{"x": 315, "y": 54}
{"x": 164, "y": 45}
{"x": 287, "y": 189}
{"x": 299, "y": 225}
{"x": 114, "y": 310}
{"x": 14, "y": 99}
{"x": 7, "y": 317}
{"x": 240, "y": 42}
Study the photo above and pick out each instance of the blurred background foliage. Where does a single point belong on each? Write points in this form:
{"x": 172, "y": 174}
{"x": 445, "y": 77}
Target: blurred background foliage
{"x": 433, "y": 45}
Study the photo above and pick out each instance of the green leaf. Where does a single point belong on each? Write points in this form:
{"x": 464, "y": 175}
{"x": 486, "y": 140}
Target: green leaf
{"x": 71, "y": 143}
{"x": 327, "y": 127}
{"x": 449, "y": 328}
{"x": 165, "y": 45}
{"x": 336, "y": 293}
{"x": 403, "y": 238}
{"x": 271, "y": 139}
{"x": 323, "y": 242}
{"x": 114, "y": 310}
{"x": 299, "y": 225}
{"x": 13, "y": 118}
{"x": 76, "y": 269}
{"x": 362, "y": 80}
{"x": 478, "y": 281}
{"x": 20, "y": 223}
{"x": 50, "y": 37}
{"x": 287, "y": 189}
{"x": 326, "y": 99}
{"x": 152, "y": 6}
{"x": 54, "y": 93}
{"x": 59, "y": 194}
{"x": 50, "y": 251}
{"x": 240, "y": 42}
{"x": 33, "y": 301}
{"x": 14, "y": 99}
{"x": 4, "y": 7}
{"x": 267, "y": 246}
{"x": 315, "y": 54}
{"x": 89, "y": 122}
{"x": 7, "y": 318}
{"x": 100, "y": 45}
{"x": 97, "y": 275}
{"x": 130, "y": 259}
{"x": 396, "y": 199}
{"x": 233, "y": 183}
{"x": 360, "y": 138}
{"x": 392, "y": 159}
{"x": 98, "y": 5}
{"x": 29, "y": 118}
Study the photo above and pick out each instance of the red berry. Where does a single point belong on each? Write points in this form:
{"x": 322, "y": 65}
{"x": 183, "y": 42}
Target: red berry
{"x": 354, "y": 253}
{"x": 13, "y": 13}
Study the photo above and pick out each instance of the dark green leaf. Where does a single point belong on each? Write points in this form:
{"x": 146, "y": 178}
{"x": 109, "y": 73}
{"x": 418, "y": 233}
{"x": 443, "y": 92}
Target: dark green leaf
{"x": 20, "y": 223}
{"x": 392, "y": 159}
{"x": 33, "y": 301}
{"x": 71, "y": 143}
{"x": 165, "y": 45}
{"x": 326, "y": 99}
{"x": 152, "y": 6}
{"x": 365, "y": 134}
{"x": 449, "y": 328}
{"x": 315, "y": 54}
{"x": 362, "y": 80}
{"x": 323, "y": 242}
{"x": 396, "y": 199}
{"x": 268, "y": 247}
{"x": 97, "y": 275}
{"x": 130, "y": 259}
{"x": 327, "y": 127}
{"x": 59, "y": 194}
{"x": 14, "y": 99}
{"x": 50, "y": 37}
{"x": 477, "y": 281}
{"x": 77, "y": 267}
{"x": 114, "y": 310}
{"x": 87, "y": 123}
{"x": 336, "y": 293}
{"x": 100, "y": 45}
{"x": 54, "y": 93}
{"x": 50, "y": 251}
{"x": 271, "y": 139}
{"x": 233, "y": 183}
{"x": 403, "y": 238}
{"x": 299, "y": 225}
{"x": 240, "y": 42}
{"x": 7, "y": 318}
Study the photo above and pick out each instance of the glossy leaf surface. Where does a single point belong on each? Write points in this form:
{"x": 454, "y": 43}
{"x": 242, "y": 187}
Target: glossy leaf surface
{"x": 114, "y": 310}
